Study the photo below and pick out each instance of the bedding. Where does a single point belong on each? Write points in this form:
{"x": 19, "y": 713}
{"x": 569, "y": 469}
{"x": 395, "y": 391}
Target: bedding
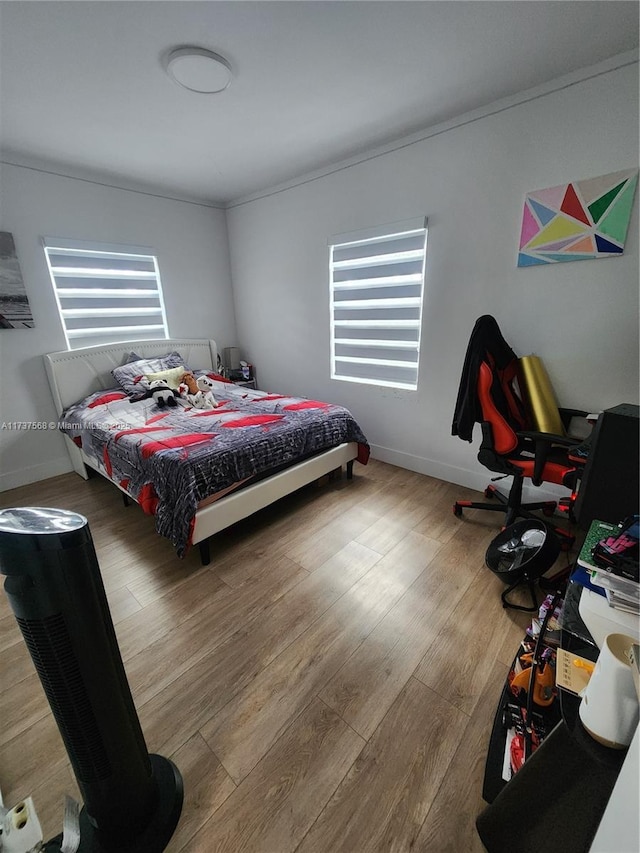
{"x": 171, "y": 460}
{"x": 131, "y": 376}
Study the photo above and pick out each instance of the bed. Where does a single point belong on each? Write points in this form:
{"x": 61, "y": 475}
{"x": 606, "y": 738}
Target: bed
{"x": 197, "y": 471}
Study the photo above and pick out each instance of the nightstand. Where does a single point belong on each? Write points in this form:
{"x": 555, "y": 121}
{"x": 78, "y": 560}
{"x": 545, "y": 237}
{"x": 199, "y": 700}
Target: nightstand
{"x": 247, "y": 383}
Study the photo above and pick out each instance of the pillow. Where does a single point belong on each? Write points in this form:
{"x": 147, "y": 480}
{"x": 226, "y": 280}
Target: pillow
{"x": 131, "y": 376}
{"x": 172, "y": 376}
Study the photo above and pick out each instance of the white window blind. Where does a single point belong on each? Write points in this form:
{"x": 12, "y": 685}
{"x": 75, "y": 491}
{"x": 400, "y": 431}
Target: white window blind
{"x": 377, "y": 281}
{"x": 106, "y": 294}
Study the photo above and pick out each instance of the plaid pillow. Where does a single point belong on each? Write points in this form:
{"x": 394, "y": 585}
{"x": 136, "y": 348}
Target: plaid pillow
{"x": 131, "y": 376}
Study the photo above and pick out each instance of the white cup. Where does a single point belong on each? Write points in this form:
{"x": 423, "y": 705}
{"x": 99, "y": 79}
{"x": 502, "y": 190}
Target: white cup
{"x": 610, "y": 710}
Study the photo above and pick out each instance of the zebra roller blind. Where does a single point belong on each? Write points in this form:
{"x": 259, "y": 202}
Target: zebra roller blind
{"x": 106, "y": 294}
{"x": 377, "y": 282}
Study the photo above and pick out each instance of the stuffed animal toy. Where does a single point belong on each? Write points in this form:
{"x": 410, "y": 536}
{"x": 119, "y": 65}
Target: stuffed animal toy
{"x": 189, "y": 382}
{"x": 161, "y": 393}
{"x": 205, "y": 384}
{"x": 203, "y": 398}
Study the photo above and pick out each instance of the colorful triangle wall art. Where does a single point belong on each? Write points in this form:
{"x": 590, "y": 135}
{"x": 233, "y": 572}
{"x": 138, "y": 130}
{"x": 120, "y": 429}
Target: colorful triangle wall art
{"x": 578, "y": 221}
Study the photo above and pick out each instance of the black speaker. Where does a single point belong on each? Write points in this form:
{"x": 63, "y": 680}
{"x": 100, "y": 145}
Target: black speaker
{"x": 610, "y": 484}
{"x": 132, "y": 800}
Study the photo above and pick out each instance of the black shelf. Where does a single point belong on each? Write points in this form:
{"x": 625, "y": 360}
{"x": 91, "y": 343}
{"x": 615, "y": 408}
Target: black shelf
{"x": 564, "y": 786}
{"x": 493, "y": 782}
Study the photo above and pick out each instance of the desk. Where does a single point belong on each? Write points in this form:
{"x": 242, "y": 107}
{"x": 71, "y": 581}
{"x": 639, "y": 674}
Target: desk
{"x": 555, "y": 801}
{"x": 620, "y": 828}
{"x": 558, "y": 797}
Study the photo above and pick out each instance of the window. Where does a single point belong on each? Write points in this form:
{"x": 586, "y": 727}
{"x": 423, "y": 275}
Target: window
{"x": 376, "y": 281}
{"x": 106, "y": 294}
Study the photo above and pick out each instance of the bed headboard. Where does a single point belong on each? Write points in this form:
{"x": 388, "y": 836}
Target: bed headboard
{"x": 73, "y": 374}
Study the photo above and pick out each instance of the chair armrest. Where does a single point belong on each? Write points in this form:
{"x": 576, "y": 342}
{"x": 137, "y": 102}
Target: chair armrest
{"x": 542, "y": 442}
{"x": 573, "y": 413}
{"x": 566, "y": 415}
{"x": 549, "y": 438}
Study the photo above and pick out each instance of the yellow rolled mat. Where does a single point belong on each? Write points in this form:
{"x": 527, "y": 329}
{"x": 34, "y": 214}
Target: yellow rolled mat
{"x": 542, "y": 400}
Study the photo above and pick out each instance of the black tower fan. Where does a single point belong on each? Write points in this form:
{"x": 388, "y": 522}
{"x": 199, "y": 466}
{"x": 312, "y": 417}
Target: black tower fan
{"x": 132, "y": 800}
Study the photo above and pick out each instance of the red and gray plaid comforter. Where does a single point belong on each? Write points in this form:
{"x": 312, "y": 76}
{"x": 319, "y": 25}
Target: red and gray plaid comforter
{"x": 170, "y": 459}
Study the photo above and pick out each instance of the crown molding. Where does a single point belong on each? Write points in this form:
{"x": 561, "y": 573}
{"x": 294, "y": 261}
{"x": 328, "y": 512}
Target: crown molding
{"x": 582, "y": 75}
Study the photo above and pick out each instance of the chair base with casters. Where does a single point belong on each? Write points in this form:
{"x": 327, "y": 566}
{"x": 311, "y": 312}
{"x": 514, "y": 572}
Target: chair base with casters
{"x": 513, "y": 508}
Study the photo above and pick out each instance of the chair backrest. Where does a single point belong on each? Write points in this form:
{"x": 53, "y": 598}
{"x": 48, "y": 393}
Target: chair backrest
{"x": 490, "y": 388}
{"x": 502, "y": 404}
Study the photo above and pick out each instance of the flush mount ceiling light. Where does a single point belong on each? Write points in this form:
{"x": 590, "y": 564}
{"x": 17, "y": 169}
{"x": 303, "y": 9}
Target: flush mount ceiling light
{"x": 198, "y": 69}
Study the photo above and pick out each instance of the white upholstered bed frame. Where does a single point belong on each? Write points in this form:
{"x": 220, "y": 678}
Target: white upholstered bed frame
{"x": 74, "y": 374}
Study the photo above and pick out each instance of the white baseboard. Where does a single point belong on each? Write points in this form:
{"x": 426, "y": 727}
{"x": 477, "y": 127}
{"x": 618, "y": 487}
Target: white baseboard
{"x": 35, "y": 473}
{"x": 478, "y": 480}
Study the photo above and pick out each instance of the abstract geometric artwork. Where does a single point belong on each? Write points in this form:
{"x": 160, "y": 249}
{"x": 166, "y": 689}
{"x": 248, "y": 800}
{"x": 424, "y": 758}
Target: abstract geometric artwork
{"x": 15, "y": 312}
{"x": 577, "y": 221}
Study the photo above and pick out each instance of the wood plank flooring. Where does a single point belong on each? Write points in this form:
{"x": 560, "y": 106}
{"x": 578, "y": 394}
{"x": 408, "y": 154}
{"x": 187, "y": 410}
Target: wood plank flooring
{"x": 326, "y": 685}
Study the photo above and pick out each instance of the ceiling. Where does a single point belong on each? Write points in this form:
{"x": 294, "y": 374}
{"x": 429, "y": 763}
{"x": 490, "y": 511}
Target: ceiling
{"x": 82, "y": 86}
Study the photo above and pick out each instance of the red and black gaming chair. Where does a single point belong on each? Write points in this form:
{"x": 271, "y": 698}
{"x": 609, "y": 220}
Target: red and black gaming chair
{"x": 492, "y": 393}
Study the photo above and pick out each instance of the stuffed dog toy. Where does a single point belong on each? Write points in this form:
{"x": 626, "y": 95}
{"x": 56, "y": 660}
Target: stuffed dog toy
{"x": 197, "y": 392}
{"x": 188, "y": 380}
{"x": 204, "y": 398}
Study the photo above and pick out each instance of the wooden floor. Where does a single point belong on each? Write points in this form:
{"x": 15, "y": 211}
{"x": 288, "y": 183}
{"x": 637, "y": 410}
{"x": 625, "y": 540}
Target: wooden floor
{"x": 327, "y": 684}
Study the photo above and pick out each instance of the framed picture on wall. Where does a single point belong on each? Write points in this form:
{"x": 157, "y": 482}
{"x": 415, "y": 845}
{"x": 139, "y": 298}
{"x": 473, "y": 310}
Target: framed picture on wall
{"x": 578, "y": 221}
{"x": 15, "y": 312}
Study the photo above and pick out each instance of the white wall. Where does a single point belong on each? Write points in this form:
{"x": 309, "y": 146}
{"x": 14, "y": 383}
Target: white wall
{"x": 470, "y": 181}
{"x": 193, "y": 256}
